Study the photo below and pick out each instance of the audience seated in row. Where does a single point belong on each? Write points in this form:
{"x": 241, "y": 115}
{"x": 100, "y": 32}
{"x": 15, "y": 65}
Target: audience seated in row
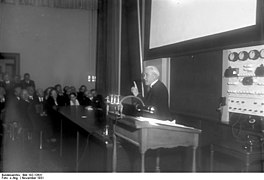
{"x": 36, "y": 109}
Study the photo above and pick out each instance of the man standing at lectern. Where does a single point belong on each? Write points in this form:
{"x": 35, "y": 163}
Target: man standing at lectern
{"x": 157, "y": 96}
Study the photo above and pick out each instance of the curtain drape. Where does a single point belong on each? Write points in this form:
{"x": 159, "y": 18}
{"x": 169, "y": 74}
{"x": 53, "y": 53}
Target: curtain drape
{"x": 111, "y": 73}
{"x": 108, "y": 47}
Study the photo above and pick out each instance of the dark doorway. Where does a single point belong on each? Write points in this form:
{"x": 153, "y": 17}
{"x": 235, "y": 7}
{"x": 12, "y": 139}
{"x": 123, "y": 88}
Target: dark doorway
{"x": 10, "y": 63}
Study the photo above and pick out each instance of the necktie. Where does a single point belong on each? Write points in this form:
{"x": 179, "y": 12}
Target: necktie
{"x": 148, "y": 96}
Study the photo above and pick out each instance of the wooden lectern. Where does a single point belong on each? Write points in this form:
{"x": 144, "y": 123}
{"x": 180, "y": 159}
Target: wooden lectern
{"x": 147, "y": 133}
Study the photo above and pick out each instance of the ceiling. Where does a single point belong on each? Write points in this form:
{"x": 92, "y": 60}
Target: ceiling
{"x": 67, "y": 4}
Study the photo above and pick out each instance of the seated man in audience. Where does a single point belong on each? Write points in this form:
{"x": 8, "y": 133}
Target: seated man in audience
{"x": 98, "y": 100}
{"x": 87, "y": 99}
{"x": 17, "y": 80}
{"x": 32, "y": 94}
{"x": 59, "y": 89}
{"x": 73, "y": 100}
{"x": 40, "y": 101}
{"x": 44, "y": 122}
{"x": 25, "y": 112}
{"x": 12, "y": 116}
{"x": 60, "y": 98}
{"x": 65, "y": 89}
{"x": 80, "y": 94}
{"x": 51, "y": 107}
{"x": 8, "y": 85}
{"x": 27, "y": 81}
{"x": 47, "y": 93}
{"x": 66, "y": 94}
{"x": 12, "y": 104}
{"x": 73, "y": 89}
{"x": 52, "y": 102}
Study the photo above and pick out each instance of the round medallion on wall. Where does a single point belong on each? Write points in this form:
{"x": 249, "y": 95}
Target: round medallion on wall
{"x": 253, "y": 54}
{"x": 233, "y": 56}
{"x": 261, "y": 53}
{"x": 243, "y": 55}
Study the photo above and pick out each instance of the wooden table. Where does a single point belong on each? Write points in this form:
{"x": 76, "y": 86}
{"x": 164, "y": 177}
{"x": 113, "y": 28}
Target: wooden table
{"x": 87, "y": 120}
{"x": 147, "y": 136}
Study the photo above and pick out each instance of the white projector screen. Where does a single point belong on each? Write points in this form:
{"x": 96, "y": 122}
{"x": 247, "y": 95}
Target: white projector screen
{"x": 174, "y": 21}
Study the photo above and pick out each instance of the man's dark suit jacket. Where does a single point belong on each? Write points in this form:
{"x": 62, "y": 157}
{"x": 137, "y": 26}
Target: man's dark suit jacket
{"x": 26, "y": 111}
{"x": 157, "y": 96}
{"x": 85, "y": 101}
{"x": 12, "y": 109}
{"x": 25, "y": 84}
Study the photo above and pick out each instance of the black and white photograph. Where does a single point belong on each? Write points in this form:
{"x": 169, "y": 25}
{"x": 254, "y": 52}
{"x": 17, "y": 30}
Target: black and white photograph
{"x": 129, "y": 88}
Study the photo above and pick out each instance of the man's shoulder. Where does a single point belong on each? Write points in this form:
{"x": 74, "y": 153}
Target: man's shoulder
{"x": 159, "y": 88}
{"x": 159, "y": 84}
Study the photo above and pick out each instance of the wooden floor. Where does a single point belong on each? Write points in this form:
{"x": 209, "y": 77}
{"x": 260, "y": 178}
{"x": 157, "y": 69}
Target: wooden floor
{"x": 19, "y": 156}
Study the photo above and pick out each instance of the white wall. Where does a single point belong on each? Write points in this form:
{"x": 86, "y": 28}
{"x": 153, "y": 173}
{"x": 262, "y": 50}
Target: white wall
{"x": 54, "y": 44}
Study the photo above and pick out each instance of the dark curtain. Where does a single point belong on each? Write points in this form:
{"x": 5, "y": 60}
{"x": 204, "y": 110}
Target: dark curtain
{"x": 130, "y": 66}
{"x": 107, "y": 47}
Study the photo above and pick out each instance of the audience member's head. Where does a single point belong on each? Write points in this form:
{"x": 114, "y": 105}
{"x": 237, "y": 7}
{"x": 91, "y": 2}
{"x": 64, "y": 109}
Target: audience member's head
{"x": 73, "y": 89}
{"x": 27, "y": 77}
{"x": 82, "y": 89}
{"x": 17, "y": 78}
{"x": 68, "y": 91}
{"x": 53, "y": 93}
{"x": 94, "y": 92}
{"x": 17, "y": 91}
{"x": 24, "y": 95}
{"x": 31, "y": 90}
{"x": 58, "y": 88}
{"x": 6, "y": 77}
{"x": 72, "y": 96}
{"x": 88, "y": 94}
{"x": 47, "y": 92}
{"x": 40, "y": 92}
{"x": 65, "y": 89}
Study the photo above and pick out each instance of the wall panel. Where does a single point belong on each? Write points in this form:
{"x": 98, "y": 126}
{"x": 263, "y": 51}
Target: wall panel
{"x": 196, "y": 84}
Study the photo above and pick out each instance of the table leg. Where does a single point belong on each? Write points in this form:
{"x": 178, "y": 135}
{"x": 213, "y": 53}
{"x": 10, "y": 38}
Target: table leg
{"x": 61, "y": 138}
{"x": 142, "y": 161}
{"x": 194, "y": 159}
{"x": 158, "y": 161}
{"x": 247, "y": 164}
{"x": 77, "y": 151}
{"x": 114, "y": 153}
{"x": 40, "y": 139}
{"x": 109, "y": 153}
{"x": 211, "y": 158}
